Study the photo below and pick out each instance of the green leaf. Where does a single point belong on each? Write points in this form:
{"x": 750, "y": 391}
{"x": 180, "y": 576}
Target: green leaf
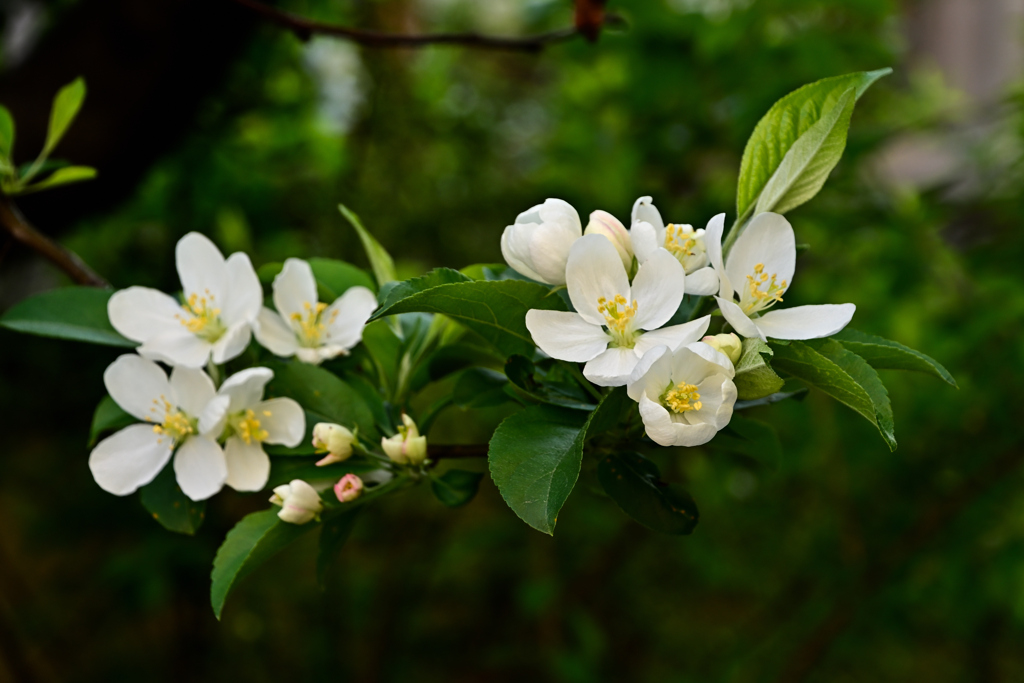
{"x": 108, "y": 417}
{"x": 6, "y": 133}
{"x": 333, "y": 536}
{"x": 323, "y": 394}
{"x": 522, "y": 372}
{"x": 494, "y": 310}
{"x": 407, "y": 288}
{"x": 787, "y": 120}
{"x": 78, "y": 313}
{"x": 822, "y": 370}
{"x": 635, "y": 485}
{"x": 754, "y": 376}
{"x": 255, "y": 539}
{"x": 480, "y": 388}
{"x": 456, "y": 487}
{"x": 62, "y": 176}
{"x": 483, "y": 271}
{"x": 883, "y": 354}
{"x": 338, "y": 276}
{"x": 380, "y": 260}
{"x": 751, "y": 438}
{"x": 535, "y": 455}
{"x": 173, "y": 509}
{"x": 65, "y": 107}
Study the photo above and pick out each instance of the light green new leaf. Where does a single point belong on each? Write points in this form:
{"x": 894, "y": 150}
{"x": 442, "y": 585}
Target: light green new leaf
{"x": 77, "y": 313}
{"x": 494, "y": 310}
{"x": 634, "y": 483}
{"x": 883, "y": 354}
{"x": 754, "y": 376}
{"x": 380, "y": 260}
{"x": 254, "y": 540}
{"x": 787, "y": 120}
{"x": 175, "y": 511}
{"x": 66, "y": 104}
{"x": 108, "y": 417}
{"x": 6, "y": 133}
{"x": 323, "y": 394}
{"x": 62, "y": 176}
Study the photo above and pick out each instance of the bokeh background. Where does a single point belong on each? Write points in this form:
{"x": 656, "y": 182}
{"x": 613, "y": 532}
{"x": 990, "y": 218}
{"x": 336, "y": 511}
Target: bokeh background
{"x": 842, "y": 562}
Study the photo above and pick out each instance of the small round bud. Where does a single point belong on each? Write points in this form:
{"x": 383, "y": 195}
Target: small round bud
{"x": 348, "y": 488}
{"x": 300, "y": 503}
{"x": 729, "y": 344}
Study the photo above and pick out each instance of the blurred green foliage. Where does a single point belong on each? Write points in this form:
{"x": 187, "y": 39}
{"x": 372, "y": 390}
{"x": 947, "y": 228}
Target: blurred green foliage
{"x": 844, "y": 563}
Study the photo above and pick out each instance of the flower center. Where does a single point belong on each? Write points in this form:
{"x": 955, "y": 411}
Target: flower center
{"x": 686, "y": 245}
{"x": 310, "y": 324}
{"x": 201, "y": 317}
{"x": 619, "y": 318}
{"x": 247, "y": 427}
{"x": 762, "y": 291}
{"x": 176, "y": 425}
{"x": 681, "y": 398}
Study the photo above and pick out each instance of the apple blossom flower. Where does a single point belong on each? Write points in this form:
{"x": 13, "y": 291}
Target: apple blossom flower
{"x": 221, "y": 302}
{"x": 348, "y": 488}
{"x": 649, "y": 233}
{"x": 334, "y": 440}
{"x": 538, "y": 244}
{"x": 306, "y": 328}
{"x": 603, "y": 223}
{"x": 614, "y": 323}
{"x": 761, "y": 266}
{"x": 729, "y": 344}
{"x": 685, "y": 395}
{"x": 250, "y": 422}
{"x": 407, "y": 447}
{"x": 300, "y": 503}
{"x": 182, "y": 414}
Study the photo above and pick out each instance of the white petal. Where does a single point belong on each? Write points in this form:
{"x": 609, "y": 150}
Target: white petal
{"x": 131, "y": 458}
{"x": 768, "y": 240}
{"x": 515, "y": 248}
{"x": 674, "y": 336}
{"x": 549, "y": 251}
{"x": 717, "y": 396}
{"x": 191, "y": 390}
{"x": 200, "y": 467}
{"x": 560, "y": 213}
{"x": 294, "y": 289}
{"x": 594, "y": 271}
{"x": 611, "y": 368}
{"x": 245, "y": 388}
{"x": 566, "y": 336}
{"x": 179, "y": 347}
{"x": 735, "y": 316}
{"x": 703, "y": 282}
{"x": 347, "y": 317}
{"x": 232, "y": 344}
{"x": 658, "y": 290}
{"x": 692, "y": 366}
{"x": 645, "y": 240}
{"x": 713, "y": 243}
{"x": 243, "y": 295}
{"x": 329, "y": 351}
{"x": 308, "y": 355}
{"x": 283, "y": 419}
{"x": 805, "y": 322}
{"x": 214, "y": 417}
{"x": 715, "y": 362}
{"x": 274, "y": 334}
{"x": 657, "y": 422}
{"x": 140, "y": 313}
{"x": 248, "y": 465}
{"x": 138, "y": 386}
{"x": 644, "y": 210}
{"x": 652, "y": 374}
{"x": 200, "y": 267}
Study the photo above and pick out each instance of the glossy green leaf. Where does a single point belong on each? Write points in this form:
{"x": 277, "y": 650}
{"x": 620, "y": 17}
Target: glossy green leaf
{"x": 62, "y": 176}
{"x": 333, "y": 535}
{"x": 6, "y": 133}
{"x": 66, "y": 104}
{"x": 752, "y": 438}
{"x": 380, "y": 260}
{"x": 789, "y": 119}
{"x": 754, "y": 376}
{"x": 883, "y": 354}
{"x": 634, "y": 483}
{"x": 77, "y": 313}
{"x": 175, "y": 511}
{"x": 407, "y": 288}
{"x": 480, "y": 388}
{"x": 456, "y": 487}
{"x": 323, "y": 394}
{"x": 108, "y": 417}
{"x": 483, "y": 271}
{"x": 255, "y": 539}
{"x": 523, "y": 373}
{"x": 494, "y": 310}
{"x": 338, "y": 276}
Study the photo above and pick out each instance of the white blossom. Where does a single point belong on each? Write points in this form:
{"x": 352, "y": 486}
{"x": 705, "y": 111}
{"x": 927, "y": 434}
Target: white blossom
{"x": 650, "y": 233}
{"x": 406, "y": 447}
{"x": 300, "y": 503}
{"x": 538, "y": 244}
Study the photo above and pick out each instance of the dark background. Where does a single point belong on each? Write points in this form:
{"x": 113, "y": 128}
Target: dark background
{"x": 842, "y": 562}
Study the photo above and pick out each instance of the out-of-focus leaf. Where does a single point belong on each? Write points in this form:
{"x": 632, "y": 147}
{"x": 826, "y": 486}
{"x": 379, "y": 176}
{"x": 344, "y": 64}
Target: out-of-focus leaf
{"x": 6, "y": 133}
{"x": 456, "y": 487}
{"x": 380, "y": 260}
{"x": 635, "y": 485}
{"x": 754, "y": 376}
{"x": 883, "y": 354}
{"x": 751, "y": 438}
{"x": 175, "y": 511}
{"x": 323, "y": 394}
{"x": 77, "y": 313}
{"x": 62, "y": 176}
{"x": 480, "y": 388}
{"x": 66, "y": 104}
{"x": 108, "y": 417}
{"x": 338, "y": 276}
{"x": 333, "y": 535}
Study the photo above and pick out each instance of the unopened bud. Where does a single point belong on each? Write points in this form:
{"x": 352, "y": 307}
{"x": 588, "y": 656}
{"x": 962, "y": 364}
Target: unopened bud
{"x": 348, "y": 488}
{"x": 729, "y": 344}
{"x": 407, "y": 447}
{"x": 334, "y": 440}
{"x": 300, "y": 503}
{"x": 603, "y": 223}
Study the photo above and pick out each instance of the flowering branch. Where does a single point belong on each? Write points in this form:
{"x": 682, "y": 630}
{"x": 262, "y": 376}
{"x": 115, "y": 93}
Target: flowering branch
{"x": 589, "y": 21}
{"x": 20, "y": 229}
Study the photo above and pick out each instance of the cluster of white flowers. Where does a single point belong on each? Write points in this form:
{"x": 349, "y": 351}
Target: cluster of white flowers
{"x": 216, "y": 434}
{"x": 626, "y": 285}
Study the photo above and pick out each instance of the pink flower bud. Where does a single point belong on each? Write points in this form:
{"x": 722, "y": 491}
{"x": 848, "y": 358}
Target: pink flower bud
{"x": 348, "y": 488}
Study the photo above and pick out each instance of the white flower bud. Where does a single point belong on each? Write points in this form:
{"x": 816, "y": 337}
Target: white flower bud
{"x": 334, "y": 440}
{"x": 300, "y": 503}
{"x": 728, "y": 344}
{"x": 538, "y": 244}
{"x": 603, "y": 223}
{"x": 407, "y": 447}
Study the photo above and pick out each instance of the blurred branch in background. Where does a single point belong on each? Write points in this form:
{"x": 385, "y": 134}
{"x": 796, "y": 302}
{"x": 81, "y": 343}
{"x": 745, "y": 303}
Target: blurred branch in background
{"x": 590, "y": 18}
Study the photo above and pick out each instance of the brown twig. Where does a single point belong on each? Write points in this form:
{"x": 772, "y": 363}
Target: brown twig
{"x": 588, "y": 25}
{"x": 473, "y": 450}
{"x": 20, "y": 229}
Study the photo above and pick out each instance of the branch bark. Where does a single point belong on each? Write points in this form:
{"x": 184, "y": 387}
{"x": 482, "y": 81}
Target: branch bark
{"x": 21, "y": 230}
{"x": 587, "y": 24}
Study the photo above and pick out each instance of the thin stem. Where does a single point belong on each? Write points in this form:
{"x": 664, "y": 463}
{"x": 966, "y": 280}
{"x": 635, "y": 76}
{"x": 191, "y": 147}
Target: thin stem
{"x": 584, "y": 382}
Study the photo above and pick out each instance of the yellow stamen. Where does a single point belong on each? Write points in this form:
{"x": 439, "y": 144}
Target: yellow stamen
{"x": 247, "y": 427}
{"x": 679, "y": 240}
{"x": 310, "y": 325}
{"x": 619, "y": 318}
{"x": 201, "y": 317}
{"x": 681, "y": 398}
{"x": 176, "y": 425}
{"x": 757, "y": 298}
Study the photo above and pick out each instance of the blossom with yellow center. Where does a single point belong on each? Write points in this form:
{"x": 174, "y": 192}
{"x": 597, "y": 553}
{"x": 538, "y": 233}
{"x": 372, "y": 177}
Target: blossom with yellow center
{"x": 649, "y": 234}
{"x": 681, "y": 398}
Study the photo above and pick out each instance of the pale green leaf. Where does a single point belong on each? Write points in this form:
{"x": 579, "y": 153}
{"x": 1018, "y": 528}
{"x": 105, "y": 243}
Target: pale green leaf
{"x": 62, "y": 176}
{"x": 380, "y": 260}
{"x": 66, "y": 104}
{"x": 6, "y": 133}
